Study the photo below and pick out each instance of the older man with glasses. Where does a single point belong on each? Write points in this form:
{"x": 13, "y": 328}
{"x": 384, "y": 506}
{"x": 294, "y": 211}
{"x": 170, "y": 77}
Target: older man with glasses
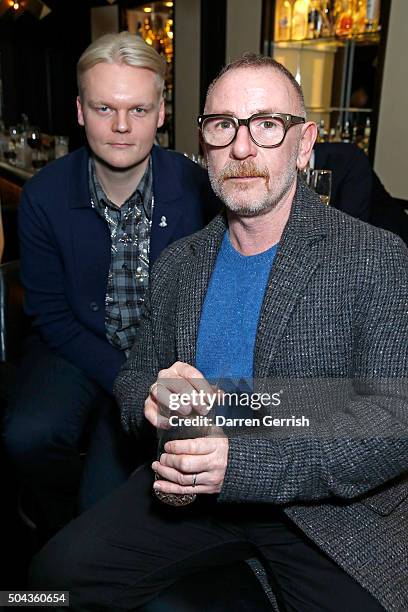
{"x": 286, "y": 300}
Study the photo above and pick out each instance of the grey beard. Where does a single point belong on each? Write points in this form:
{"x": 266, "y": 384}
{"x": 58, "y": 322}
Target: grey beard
{"x": 255, "y": 208}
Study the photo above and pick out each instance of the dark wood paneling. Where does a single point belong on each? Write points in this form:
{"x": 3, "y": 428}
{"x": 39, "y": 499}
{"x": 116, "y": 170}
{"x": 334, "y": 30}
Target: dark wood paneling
{"x": 213, "y": 42}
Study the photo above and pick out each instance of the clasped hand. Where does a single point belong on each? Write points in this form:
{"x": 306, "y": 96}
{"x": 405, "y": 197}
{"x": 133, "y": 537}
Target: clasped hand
{"x": 196, "y": 465}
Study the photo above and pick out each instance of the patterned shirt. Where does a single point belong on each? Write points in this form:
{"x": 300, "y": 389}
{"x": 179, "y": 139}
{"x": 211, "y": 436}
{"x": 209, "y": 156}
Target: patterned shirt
{"x": 128, "y": 278}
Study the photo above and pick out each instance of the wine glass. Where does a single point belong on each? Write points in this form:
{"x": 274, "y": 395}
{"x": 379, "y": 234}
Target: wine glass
{"x": 321, "y": 181}
{"x": 39, "y": 159}
{"x": 34, "y": 137}
{"x": 9, "y": 152}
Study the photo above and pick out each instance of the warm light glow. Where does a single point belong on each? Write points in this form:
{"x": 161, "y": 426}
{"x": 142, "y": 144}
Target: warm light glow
{"x": 147, "y": 9}
{"x": 170, "y": 21}
{"x": 169, "y": 4}
{"x": 11, "y": 2}
{"x": 170, "y": 34}
{"x": 16, "y": 6}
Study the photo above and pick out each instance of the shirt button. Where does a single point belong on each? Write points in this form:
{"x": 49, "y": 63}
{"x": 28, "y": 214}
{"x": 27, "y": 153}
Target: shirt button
{"x": 140, "y": 301}
{"x": 94, "y": 307}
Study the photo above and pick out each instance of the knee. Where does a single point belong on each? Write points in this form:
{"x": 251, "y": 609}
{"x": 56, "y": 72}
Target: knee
{"x": 26, "y": 441}
{"x": 51, "y": 570}
{"x": 67, "y": 563}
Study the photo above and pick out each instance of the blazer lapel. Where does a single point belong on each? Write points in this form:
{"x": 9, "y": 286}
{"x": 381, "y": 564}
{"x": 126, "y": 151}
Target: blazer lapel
{"x": 89, "y": 232}
{"x": 194, "y": 281}
{"x": 290, "y": 275}
{"x": 295, "y": 263}
{"x": 168, "y": 191}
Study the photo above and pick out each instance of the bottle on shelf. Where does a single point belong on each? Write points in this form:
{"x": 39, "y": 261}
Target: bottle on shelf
{"x": 346, "y": 135}
{"x": 322, "y": 134}
{"x": 314, "y": 19}
{"x": 284, "y": 20}
{"x": 300, "y": 19}
{"x": 148, "y": 34}
{"x": 366, "y": 137}
{"x": 372, "y": 17}
{"x": 337, "y": 132}
{"x": 344, "y": 21}
{"x": 327, "y": 18}
{"x": 332, "y": 134}
{"x": 359, "y": 18}
{"x": 354, "y": 133}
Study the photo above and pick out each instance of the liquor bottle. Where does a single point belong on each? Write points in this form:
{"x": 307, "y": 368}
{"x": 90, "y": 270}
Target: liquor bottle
{"x": 338, "y": 132}
{"x": 372, "y": 19}
{"x": 345, "y": 135}
{"x": 354, "y": 133}
{"x": 284, "y": 20}
{"x": 327, "y": 18}
{"x": 148, "y": 34}
{"x": 300, "y": 19}
{"x": 322, "y": 135}
{"x": 344, "y": 23}
{"x": 314, "y": 19}
{"x": 359, "y": 17}
{"x": 366, "y": 138}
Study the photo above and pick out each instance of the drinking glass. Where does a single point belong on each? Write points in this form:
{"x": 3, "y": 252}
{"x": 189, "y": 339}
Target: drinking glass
{"x": 34, "y": 137}
{"x": 321, "y": 181}
{"x": 176, "y": 432}
{"x": 61, "y": 146}
{"x": 39, "y": 159}
{"x": 171, "y": 499}
{"x": 9, "y": 152}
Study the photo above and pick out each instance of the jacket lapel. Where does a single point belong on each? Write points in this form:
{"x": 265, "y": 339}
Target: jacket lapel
{"x": 193, "y": 286}
{"x": 167, "y": 189}
{"x": 292, "y": 269}
{"x": 89, "y": 232}
{"x": 296, "y": 261}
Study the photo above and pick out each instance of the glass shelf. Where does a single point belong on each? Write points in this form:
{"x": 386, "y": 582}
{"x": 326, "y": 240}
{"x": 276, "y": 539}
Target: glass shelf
{"x": 337, "y": 109}
{"x": 324, "y": 43}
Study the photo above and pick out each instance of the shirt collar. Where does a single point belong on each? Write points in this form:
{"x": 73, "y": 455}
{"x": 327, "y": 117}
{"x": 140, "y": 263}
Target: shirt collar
{"x": 143, "y": 192}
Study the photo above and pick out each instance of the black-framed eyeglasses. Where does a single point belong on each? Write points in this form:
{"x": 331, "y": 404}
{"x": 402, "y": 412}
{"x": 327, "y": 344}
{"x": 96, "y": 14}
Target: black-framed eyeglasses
{"x": 265, "y": 129}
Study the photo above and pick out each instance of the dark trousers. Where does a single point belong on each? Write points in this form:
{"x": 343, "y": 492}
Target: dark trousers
{"x": 122, "y": 552}
{"x": 54, "y": 412}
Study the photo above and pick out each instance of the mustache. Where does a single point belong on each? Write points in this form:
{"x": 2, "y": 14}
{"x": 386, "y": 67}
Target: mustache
{"x": 246, "y": 169}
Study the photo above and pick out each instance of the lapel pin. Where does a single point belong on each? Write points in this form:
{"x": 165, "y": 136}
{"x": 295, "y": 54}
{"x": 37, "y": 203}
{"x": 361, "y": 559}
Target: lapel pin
{"x": 163, "y": 222}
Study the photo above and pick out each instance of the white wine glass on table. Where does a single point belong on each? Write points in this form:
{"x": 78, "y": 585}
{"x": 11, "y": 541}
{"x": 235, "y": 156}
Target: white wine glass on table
{"x": 321, "y": 181}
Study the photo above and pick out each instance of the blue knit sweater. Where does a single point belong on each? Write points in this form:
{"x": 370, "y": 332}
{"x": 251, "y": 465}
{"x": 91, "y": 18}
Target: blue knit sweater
{"x": 230, "y": 314}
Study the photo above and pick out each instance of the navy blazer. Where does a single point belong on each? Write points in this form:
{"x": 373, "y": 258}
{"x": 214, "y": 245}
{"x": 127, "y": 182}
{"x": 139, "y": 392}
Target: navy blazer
{"x": 65, "y": 251}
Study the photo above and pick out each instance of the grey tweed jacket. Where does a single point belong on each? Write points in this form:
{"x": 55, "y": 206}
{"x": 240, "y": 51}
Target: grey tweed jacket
{"x": 335, "y": 308}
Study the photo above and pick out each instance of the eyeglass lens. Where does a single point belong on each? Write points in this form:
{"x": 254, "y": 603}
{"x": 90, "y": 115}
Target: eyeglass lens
{"x": 265, "y": 130}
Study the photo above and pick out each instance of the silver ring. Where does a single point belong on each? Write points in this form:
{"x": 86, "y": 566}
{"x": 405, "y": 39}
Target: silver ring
{"x": 194, "y": 480}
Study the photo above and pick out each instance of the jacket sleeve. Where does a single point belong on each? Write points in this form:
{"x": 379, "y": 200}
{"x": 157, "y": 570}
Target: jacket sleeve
{"x": 140, "y": 370}
{"x": 138, "y": 373}
{"x": 46, "y": 301}
{"x": 354, "y": 447}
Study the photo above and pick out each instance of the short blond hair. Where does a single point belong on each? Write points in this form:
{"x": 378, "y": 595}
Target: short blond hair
{"x": 123, "y": 48}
